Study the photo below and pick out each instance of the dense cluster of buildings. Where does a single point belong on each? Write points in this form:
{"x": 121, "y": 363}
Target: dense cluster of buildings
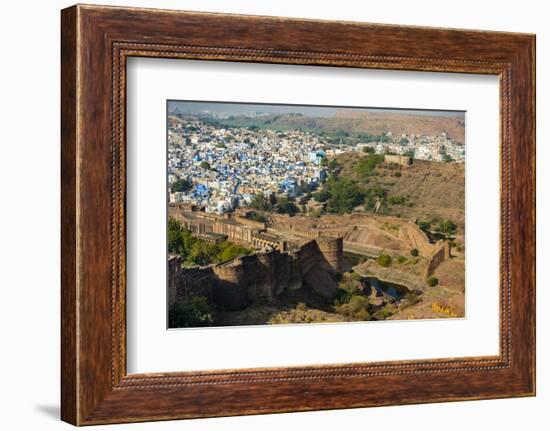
{"x": 439, "y": 148}
{"x": 228, "y": 167}
{"x": 224, "y": 168}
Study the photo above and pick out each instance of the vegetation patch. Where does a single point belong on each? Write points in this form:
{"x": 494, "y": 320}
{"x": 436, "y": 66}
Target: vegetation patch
{"x": 384, "y": 260}
{"x": 195, "y": 251}
{"x": 443, "y": 309}
{"x": 194, "y": 311}
{"x": 432, "y": 281}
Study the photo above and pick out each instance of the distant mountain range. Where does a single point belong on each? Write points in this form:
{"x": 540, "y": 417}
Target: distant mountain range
{"x": 398, "y": 123}
{"x": 354, "y": 123}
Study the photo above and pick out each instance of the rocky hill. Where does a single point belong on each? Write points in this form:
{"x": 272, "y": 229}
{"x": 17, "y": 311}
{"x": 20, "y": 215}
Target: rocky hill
{"x": 355, "y": 123}
{"x": 377, "y": 123}
{"x": 423, "y": 191}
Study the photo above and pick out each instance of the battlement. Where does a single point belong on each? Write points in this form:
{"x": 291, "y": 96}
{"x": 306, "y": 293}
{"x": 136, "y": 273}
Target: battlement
{"x": 332, "y": 250}
{"x": 400, "y": 160}
{"x": 236, "y": 283}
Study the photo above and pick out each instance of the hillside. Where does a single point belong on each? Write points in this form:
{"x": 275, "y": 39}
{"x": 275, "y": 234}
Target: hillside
{"x": 377, "y": 123}
{"x": 353, "y": 124}
{"x": 423, "y": 191}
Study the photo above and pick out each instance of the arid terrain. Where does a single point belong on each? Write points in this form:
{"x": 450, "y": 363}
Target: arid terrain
{"x": 430, "y": 189}
{"x": 297, "y": 214}
{"x": 355, "y": 122}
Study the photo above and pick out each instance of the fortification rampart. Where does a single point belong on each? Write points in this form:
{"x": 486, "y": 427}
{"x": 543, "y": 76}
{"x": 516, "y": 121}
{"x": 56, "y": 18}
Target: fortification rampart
{"x": 400, "y": 160}
{"x": 185, "y": 282}
{"x": 372, "y": 234}
{"x": 376, "y": 234}
{"x": 253, "y": 223}
{"x": 442, "y": 252}
{"x": 295, "y": 251}
{"x": 262, "y": 276}
{"x": 332, "y": 251}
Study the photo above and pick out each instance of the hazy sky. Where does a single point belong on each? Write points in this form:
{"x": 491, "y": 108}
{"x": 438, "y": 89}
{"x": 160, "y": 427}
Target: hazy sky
{"x": 309, "y": 111}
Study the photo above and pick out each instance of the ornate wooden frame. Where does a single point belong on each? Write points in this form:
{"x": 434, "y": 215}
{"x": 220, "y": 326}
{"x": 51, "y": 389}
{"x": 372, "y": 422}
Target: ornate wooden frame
{"x": 95, "y": 43}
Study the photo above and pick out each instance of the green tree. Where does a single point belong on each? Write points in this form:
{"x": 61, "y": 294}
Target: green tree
{"x": 205, "y": 165}
{"x": 176, "y": 237}
{"x": 286, "y": 206}
{"x": 372, "y": 194}
{"x": 260, "y": 202}
{"x": 397, "y": 200}
{"x": 181, "y": 185}
{"x": 229, "y": 250}
{"x": 366, "y": 165}
{"x": 321, "y": 196}
{"x": 345, "y": 194}
{"x": 203, "y": 253}
{"x": 414, "y": 252}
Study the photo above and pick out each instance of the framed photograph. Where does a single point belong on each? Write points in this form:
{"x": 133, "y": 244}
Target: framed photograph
{"x": 264, "y": 215}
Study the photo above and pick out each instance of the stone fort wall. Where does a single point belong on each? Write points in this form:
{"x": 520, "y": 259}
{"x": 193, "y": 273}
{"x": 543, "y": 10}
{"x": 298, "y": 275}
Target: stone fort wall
{"x": 441, "y": 253}
{"x": 263, "y": 276}
{"x": 401, "y": 160}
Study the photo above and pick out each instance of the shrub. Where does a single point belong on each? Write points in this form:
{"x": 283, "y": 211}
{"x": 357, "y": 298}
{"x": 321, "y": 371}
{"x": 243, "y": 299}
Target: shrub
{"x": 366, "y": 165}
{"x": 424, "y": 225}
{"x": 401, "y": 259}
{"x": 397, "y": 200}
{"x": 384, "y": 260}
{"x": 258, "y": 217}
{"x": 447, "y": 227}
{"x": 192, "y": 312}
{"x": 301, "y": 306}
{"x": 397, "y": 174}
{"x": 410, "y": 298}
{"x": 384, "y": 314}
{"x": 414, "y": 252}
{"x": 358, "y": 303}
{"x": 354, "y": 276}
{"x": 443, "y": 309}
{"x": 347, "y": 290}
{"x": 432, "y": 281}
{"x": 356, "y": 308}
